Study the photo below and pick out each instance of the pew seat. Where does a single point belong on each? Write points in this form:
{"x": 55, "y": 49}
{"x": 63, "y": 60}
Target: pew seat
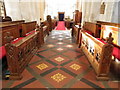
{"x": 16, "y": 40}
{"x": 29, "y": 33}
{"x": 101, "y": 40}
{"x": 3, "y": 52}
{"x": 89, "y": 32}
{"x": 116, "y": 50}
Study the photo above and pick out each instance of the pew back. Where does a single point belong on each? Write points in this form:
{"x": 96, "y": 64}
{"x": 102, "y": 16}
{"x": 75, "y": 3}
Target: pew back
{"x": 12, "y": 28}
{"x": 28, "y": 27}
{"x": 19, "y": 22}
{"x": 92, "y": 27}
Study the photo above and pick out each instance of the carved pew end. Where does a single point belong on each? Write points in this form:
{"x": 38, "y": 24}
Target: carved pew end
{"x": 103, "y": 77}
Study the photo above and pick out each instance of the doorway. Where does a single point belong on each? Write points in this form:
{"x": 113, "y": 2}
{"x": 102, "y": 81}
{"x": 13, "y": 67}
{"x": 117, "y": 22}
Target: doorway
{"x": 61, "y": 16}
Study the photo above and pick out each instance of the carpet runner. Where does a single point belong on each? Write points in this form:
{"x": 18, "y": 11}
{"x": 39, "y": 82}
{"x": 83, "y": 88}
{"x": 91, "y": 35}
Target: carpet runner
{"x": 61, "y": 25}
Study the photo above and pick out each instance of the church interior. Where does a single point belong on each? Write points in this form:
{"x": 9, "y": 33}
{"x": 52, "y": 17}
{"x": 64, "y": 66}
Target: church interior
{"x": 60, "y": 44}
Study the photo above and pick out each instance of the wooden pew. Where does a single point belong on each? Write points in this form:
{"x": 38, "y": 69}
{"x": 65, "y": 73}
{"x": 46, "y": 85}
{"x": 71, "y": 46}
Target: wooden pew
{"x": 12, "y": 29}
{"x": 27, "y": 27}
{"x": 19, "y": 22}
{"x": 114, "y": 28}
{"x": 98, "y": 54}
{"x": 20, "y": 53}
{"x": 45, "y": 28}
{"x": 49, "y": 23}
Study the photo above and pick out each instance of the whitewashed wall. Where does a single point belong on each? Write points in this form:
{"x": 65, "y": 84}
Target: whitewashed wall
{"x": 91, "y": 10}
{"x": 107, "y": 16}
{"x": 116, "y": 12}
{"x": 28, "y": 10}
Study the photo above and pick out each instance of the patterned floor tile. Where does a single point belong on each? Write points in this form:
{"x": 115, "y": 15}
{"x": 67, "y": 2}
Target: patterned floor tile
{"x": 75, "y": 67}
{"x": 41, "y": 67}
{"x": 58, "y": 78}
{"x": 57, "y": 64}
{"x": 59, "y": 59}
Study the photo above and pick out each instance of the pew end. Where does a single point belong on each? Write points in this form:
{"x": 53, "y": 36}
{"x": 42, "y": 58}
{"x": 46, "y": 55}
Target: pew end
{"x": 99, "y": 55}
{"x": 20, "y": 53}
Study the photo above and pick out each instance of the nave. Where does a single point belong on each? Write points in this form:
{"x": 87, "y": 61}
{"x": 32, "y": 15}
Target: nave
{"x": 59, "y": 63}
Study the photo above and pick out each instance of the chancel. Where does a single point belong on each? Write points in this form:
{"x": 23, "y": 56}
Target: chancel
{"x": 60, "y": 44}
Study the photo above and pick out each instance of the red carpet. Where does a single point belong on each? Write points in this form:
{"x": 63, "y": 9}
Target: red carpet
{"x": 61, "y": 25}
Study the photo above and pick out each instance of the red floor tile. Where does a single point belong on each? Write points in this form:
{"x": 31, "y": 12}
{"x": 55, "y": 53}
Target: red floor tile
{"x": 80, "y": 84}
{"x": 59, "y": 49}
{"x": 114, "y": 84}
{"x": 84, "y": 60}
{"x": 91, "y": 76}
{"x": 71, "y": 54}
{"x": 35, "y": 84}
{"x": 4, "y": 83}
{"x": 35, "y": 59}
{"x": 47, "y": 53}
{"x": 26, "y": 76}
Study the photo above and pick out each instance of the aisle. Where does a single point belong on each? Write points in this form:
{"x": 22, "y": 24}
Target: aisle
{"x": 61, "y": 25}
{"x": 59, "y": 64}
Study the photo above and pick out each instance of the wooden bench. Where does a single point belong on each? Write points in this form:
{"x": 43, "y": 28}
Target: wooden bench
{"x": 20, "y": 53}
{"x": 114, "y": 28}
{"x": 98, "y": 54}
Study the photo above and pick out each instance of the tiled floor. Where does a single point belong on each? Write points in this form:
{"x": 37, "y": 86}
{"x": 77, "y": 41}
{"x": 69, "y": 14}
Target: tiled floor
{"x": 59, "y": 64}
